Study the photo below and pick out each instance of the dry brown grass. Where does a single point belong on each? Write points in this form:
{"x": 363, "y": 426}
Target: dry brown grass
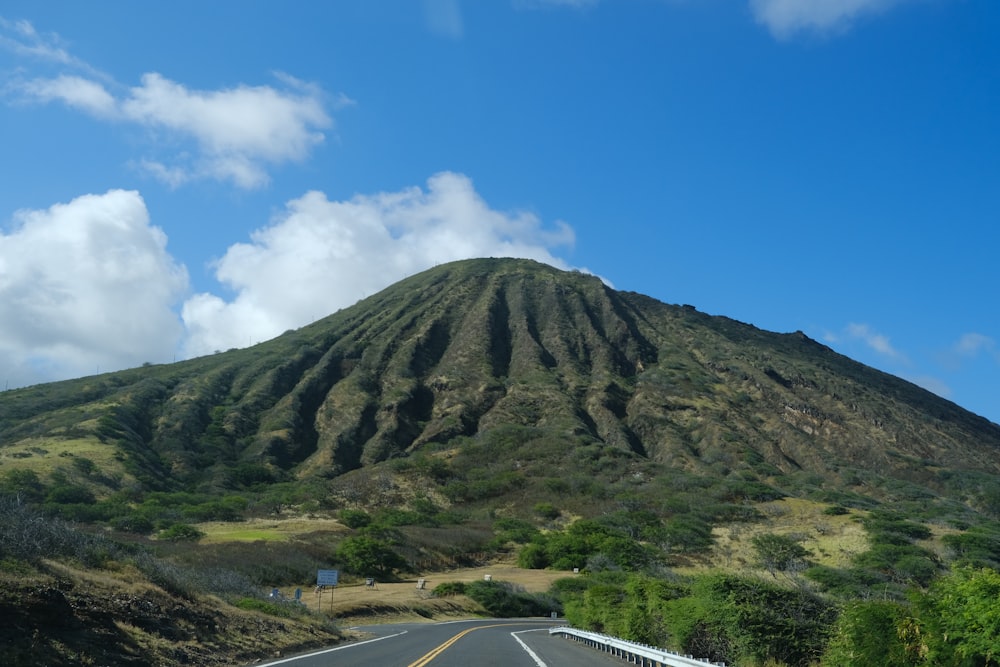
{"x": 832, "y": 540}
{"x": 268, "y": 530}
{"x": 356, "y": 603}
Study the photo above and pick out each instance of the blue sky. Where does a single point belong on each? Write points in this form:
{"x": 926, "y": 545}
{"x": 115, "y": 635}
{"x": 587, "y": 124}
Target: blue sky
{"x": 187, "y": 177}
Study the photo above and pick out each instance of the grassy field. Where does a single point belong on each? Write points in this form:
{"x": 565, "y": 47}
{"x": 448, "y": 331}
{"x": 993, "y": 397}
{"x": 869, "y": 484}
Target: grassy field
{"x": 832, "y": 540}
{"x": 44, "y": 455}
{"x": 266, "y": 530}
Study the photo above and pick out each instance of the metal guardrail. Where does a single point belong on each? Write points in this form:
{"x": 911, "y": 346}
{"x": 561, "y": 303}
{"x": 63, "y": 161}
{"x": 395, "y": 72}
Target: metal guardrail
{"x": 638, "y": 654}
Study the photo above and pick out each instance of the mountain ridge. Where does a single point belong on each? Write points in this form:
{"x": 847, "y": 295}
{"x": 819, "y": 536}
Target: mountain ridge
{"x": 476, "y": 345}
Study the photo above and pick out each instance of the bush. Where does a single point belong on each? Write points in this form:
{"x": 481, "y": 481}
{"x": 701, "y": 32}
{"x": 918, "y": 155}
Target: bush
{"x": 354, "y": 518}
{"x": 546, "y": 511}
{"x": 754, "y": 622}
{"x": 449, "y": 588}
{"x": 868, "y": 633}
{"x": 284, "y": 610}
{"x": 778, "y": 553}
{"x": 69, "y": 494}
{"x": 580, "y": 544}
{"x": 181, "y": 532}
{"x": 367, "y": 556}
{"x": 132, "y": 523}
{"x": 512, "y": 530}
{"x": 685, "y": 534}
{"x": 504, "y": 600}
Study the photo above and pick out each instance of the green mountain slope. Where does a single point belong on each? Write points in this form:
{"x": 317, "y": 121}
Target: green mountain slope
{"x": 470, "y": 347}
{"x": 478, "y": 411}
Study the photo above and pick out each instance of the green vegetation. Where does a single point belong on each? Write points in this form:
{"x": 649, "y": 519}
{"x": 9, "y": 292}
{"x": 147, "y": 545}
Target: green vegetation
{"x": 502, "y": 408}
{"x": 740, "y": 620}
{"x": 369, "y": 556}
{"x": 502, "y": 599}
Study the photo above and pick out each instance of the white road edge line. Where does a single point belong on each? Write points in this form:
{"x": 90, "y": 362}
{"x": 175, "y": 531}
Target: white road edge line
{"x": 330, "y": 650}
{"x": 534, "y": 656}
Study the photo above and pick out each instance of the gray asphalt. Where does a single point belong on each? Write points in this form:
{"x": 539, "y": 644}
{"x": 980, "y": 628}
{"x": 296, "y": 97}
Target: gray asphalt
{"x": 483, "y": 643}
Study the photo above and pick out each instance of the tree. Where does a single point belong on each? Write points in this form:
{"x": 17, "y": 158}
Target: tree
{"x": 962, "y": 618}
{"x": 873, "y": 633}
{"x": 779, "y": 553}
{"x": 369, "y": 557}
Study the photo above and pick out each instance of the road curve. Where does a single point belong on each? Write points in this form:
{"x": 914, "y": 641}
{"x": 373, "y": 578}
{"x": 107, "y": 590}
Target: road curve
{"x": 485, "y": 642}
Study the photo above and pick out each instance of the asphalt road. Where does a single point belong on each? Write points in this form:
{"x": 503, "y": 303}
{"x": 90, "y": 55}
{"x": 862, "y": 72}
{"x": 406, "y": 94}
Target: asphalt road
{"x": 483, "y": 643}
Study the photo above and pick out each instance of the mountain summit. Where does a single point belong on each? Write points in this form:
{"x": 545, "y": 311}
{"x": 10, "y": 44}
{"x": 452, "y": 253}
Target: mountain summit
{"x": 475, "y": 347}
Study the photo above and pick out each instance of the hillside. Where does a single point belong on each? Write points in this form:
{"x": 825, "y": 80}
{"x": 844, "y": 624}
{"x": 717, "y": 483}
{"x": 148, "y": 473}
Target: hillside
{"x": 483, "y": 411}
{"x": 471, "y": 348}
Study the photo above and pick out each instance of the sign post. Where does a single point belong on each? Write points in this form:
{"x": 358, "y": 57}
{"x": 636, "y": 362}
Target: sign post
{"x": 325, "y": 578}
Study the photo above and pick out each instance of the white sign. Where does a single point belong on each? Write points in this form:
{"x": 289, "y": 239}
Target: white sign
{"x": 327, "y": 577}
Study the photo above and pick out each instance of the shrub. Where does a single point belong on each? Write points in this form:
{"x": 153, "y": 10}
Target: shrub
{"x": 266, "y": 607}
{"x": 961, "y": 619}
{"x": 132, "y": 523}
{"x": 532, "y": 557}
{"x": 513, "y": 530}
{"x": 868, "y": 633}
{"x": 368, "y": 556}
{"x": 449, "y": 588}
{"x": 685, "y": 534}
{"x": 778, "y": 553}
{"x": 354, "y": 518}
{"x": 546, "y": 510}
{"x": 67, "y": 494}
{"x": 505, "y": 600}
{"x": 181, "y": 532}
{"x": 754, "y": 622}
{"x": 24, "y": 483}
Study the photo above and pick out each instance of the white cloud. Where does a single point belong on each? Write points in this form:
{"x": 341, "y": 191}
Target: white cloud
{"x": 21, "y": 38}
{"x": 974, "y": 344}
{"x": 786, "y": 17}
{"x": 237, "y": 132}
{"x": 878, "y": 342}
{"x": 84, "y": 286}
{"x": 319, "y": 256}
{"x": 232, "y": 134}
{"x": 970, "y": 348}
{"x": 77, "y": 92}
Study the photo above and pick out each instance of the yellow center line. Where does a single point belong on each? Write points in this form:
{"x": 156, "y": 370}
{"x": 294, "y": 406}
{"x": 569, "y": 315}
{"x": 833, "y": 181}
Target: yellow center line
{"x": 433, "y": 653}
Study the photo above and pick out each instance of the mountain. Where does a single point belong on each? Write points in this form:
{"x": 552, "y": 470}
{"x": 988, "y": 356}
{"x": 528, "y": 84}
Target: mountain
{"x": 475, "y": 349}
{"x": 470, "y": 414}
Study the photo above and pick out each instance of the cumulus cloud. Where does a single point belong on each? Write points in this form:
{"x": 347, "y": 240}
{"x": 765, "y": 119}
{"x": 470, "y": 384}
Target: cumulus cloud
{"x": 83, "y": 94}
{"x": 318, "y": 256}
{"x": 237, "y": 132}
{"x": 84, "y": 286}
{"x": 230, "y": 134}
{"x": 786, "y": 17}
